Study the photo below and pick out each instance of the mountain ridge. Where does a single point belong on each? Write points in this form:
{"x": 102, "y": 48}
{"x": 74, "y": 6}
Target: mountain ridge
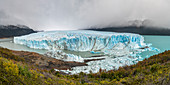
{"x": 143, "y": 30}
{"x": 14, "y": 30}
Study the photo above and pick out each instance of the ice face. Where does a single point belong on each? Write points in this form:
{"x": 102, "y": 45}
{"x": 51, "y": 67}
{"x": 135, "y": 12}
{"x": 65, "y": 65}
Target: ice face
{"x": 119, "y": 48}
{"x": 81, "y": 40}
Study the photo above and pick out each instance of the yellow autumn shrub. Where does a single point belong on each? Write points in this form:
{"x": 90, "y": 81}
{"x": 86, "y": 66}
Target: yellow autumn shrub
{"x": 9, "y": 66}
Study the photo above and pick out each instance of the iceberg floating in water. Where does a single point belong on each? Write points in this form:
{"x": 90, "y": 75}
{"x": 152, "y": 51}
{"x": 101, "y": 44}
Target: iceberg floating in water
{"x": 120, "y": 48}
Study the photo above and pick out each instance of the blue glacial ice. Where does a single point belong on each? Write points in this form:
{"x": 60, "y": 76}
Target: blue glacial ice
{"x": 81, "y": 40}
{"x": 119, "y": 48}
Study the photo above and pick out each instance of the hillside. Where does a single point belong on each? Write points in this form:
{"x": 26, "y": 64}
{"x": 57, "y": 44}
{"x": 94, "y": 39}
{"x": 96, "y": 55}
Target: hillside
{"x": 12, "y": 30}
{"x": 20, "y": 67}
{"x": 134, "y": 29}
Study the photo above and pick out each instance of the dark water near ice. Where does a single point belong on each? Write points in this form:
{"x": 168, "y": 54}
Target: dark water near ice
{"x": 160, "y": 42}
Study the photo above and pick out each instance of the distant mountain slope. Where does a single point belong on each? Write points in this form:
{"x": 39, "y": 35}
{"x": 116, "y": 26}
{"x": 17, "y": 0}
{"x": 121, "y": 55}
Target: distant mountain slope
{"x": 134, "y": 29}
{"x": 143, "y": 27}
{"x": 11, "y": 30}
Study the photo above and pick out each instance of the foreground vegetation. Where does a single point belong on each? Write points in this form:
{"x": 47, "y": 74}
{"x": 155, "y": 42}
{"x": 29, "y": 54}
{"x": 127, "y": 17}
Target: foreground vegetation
{"x": 15, "y": 70}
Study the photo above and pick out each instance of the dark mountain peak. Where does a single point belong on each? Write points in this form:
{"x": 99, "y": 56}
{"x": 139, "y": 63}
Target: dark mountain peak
{"x": 23, "y": 26}
{"x": 14, "y": 27}
{"x": 138, "y": 29}
{"x": 14, "y": 30}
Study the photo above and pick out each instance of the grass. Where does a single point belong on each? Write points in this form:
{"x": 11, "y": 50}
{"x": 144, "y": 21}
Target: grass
{"x": 15, "y": 71}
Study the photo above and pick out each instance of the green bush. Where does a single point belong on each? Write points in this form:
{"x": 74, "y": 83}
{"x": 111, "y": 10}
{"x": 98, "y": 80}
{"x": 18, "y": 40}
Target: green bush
{"x": 15, "y": 71}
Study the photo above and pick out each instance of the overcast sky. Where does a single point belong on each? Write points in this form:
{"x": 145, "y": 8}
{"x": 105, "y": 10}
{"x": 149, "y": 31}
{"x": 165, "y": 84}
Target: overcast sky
{"x": 78, "y": 14}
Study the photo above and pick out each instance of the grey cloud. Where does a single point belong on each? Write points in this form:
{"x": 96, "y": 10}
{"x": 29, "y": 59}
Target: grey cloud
{"x": 78, "y": 14}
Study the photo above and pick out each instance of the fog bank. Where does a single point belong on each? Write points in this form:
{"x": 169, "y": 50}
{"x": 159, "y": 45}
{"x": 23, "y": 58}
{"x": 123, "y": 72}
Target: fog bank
{"x": 80, "y": 14}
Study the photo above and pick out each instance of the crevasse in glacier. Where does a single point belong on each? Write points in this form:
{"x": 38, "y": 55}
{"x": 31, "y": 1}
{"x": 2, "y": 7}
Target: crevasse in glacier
{"x": 119, "y": 48}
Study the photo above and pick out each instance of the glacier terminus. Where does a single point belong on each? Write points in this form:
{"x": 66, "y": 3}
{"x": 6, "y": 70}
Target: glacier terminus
{"x": 118, "y": 49}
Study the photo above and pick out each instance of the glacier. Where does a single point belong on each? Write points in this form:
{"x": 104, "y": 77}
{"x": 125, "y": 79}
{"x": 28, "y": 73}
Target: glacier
{"x": 119, "y": 48}
{"x": 81, "y": 40}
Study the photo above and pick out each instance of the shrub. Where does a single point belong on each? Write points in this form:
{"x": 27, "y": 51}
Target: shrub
{"x": 155, "y": 67}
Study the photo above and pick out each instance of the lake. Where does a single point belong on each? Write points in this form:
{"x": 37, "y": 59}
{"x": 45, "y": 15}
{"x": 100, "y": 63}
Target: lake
{"x": 160, "y": 42}
{"x": 8, "y": 43}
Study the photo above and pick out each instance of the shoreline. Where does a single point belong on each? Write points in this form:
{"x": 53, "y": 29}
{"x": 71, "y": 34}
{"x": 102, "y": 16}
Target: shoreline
{"x": 45, "y": 62}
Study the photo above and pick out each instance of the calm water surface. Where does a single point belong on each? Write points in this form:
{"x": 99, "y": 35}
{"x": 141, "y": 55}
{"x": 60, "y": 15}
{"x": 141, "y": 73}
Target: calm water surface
{"x": 160, "y": 42}
{"x": 8, "y": 43}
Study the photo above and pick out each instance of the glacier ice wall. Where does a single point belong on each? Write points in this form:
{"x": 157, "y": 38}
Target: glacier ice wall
{"x": 119, "y": 49}
{"x": 81, "y": 40}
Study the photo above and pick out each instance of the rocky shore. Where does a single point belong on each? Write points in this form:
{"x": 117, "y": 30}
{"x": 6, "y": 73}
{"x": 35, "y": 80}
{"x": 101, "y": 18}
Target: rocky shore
{"x": 42, "y": 61}
{"x": 27, "y": 68}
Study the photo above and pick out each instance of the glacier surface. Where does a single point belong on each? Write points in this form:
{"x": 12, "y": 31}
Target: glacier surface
{"x": 119, "y": 48}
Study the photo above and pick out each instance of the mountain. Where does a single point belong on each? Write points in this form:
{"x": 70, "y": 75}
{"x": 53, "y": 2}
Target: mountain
{"x": 143, "y": 27}
{"x": 12, "y": 30}
{"x": 139, "y": 30}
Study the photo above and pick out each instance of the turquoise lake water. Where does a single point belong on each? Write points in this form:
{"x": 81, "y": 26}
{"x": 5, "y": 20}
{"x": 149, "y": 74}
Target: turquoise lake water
{"x": 160, "y": 42}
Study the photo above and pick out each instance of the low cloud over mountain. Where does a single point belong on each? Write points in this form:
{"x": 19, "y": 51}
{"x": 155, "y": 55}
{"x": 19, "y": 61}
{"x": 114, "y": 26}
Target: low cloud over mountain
{"x": 80, "y": 14}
